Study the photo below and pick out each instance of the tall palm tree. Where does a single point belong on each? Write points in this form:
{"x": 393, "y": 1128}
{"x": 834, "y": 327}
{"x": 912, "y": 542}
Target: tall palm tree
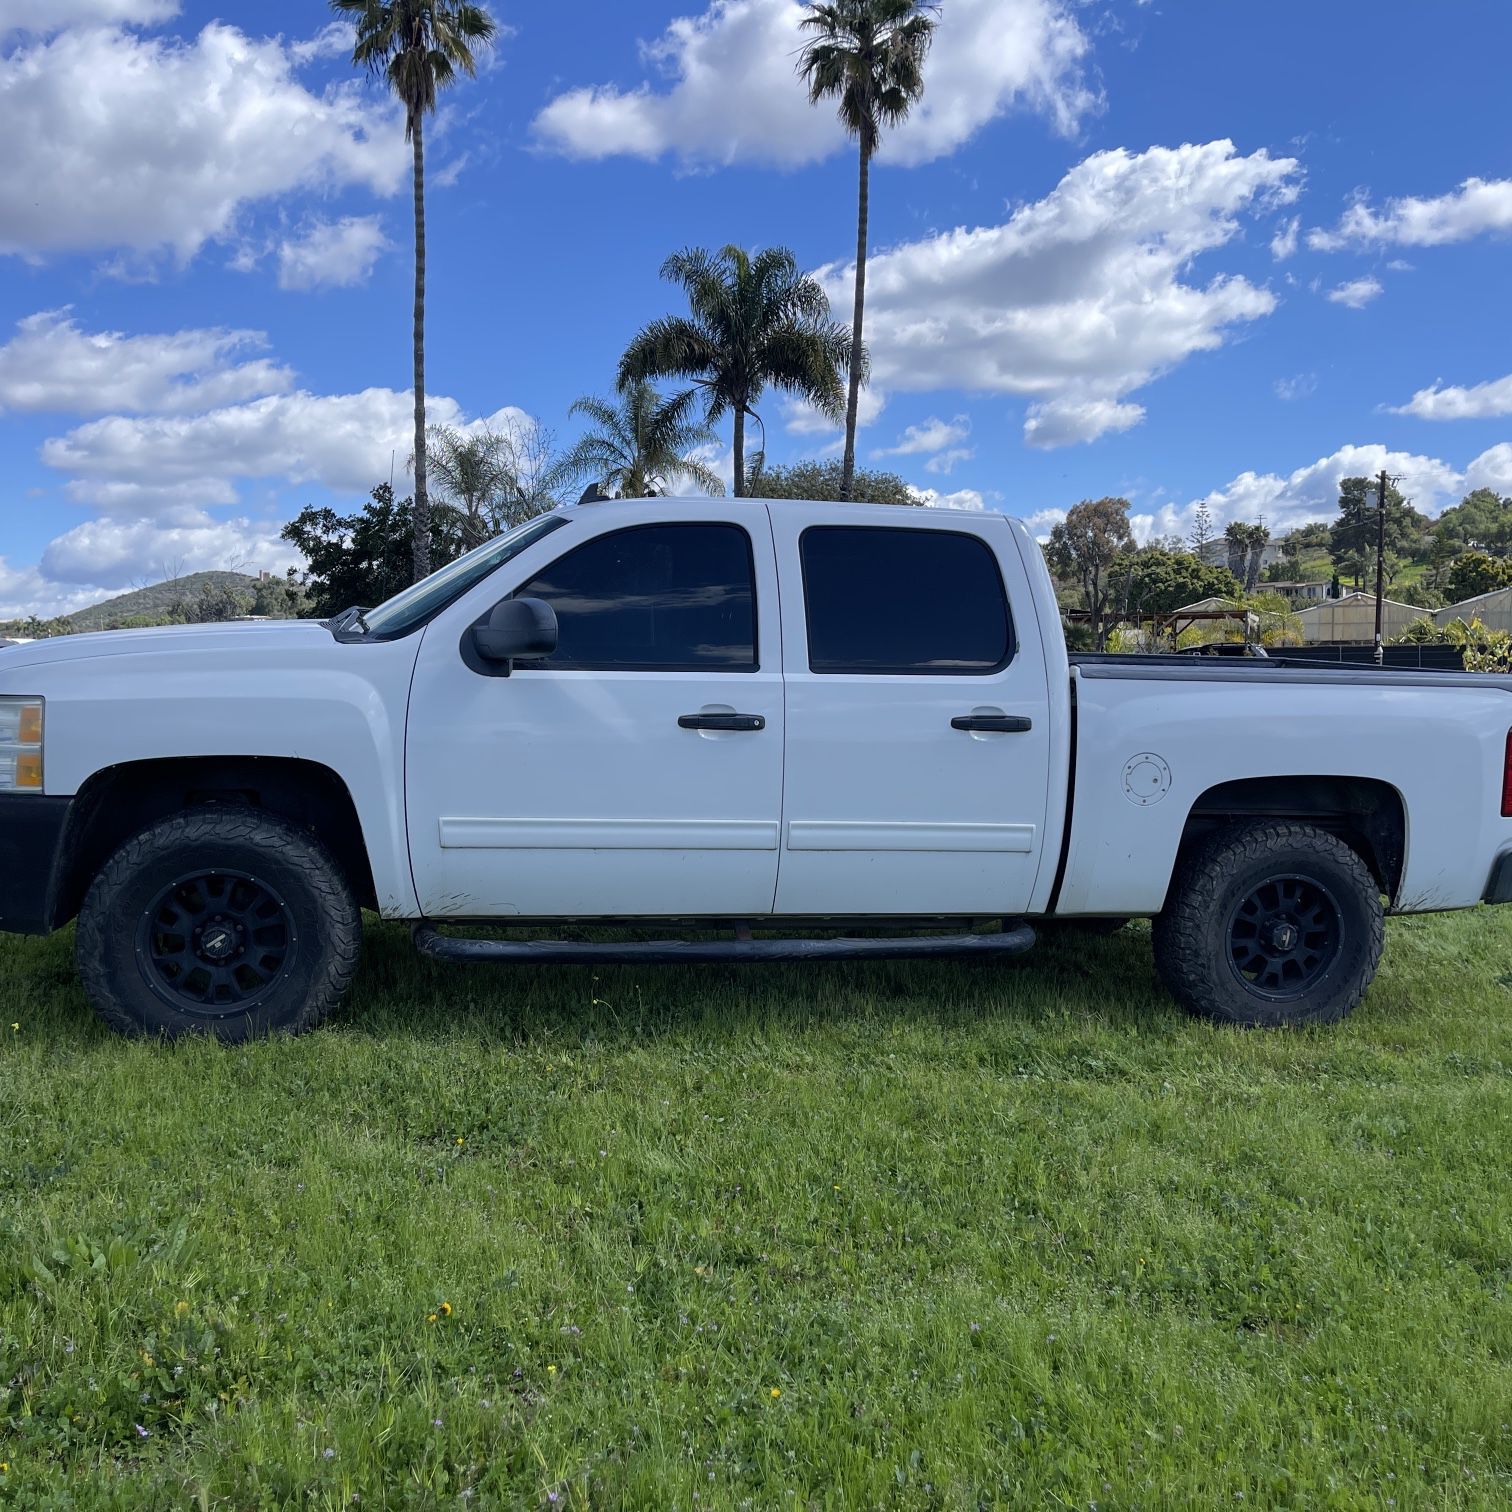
{"x": 419, "y": 47}
{"x": 869, "y": 55}
{"x": 640, "y": 446}
{"x": 752, "y": 322}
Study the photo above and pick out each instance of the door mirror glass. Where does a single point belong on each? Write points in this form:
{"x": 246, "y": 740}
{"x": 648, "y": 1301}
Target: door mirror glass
{"x": 516, "y": 627}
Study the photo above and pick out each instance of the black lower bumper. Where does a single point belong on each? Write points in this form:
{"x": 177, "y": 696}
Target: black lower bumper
{"x": 31, "y": 844}
{"x": 1499, "y": 884}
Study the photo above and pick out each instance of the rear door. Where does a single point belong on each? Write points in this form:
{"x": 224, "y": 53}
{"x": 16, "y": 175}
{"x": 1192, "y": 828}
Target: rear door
{"x": 918, "y": 740}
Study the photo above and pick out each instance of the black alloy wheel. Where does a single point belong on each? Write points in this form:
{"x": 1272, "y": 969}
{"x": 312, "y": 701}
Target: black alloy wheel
{"x": 212, "y": 943}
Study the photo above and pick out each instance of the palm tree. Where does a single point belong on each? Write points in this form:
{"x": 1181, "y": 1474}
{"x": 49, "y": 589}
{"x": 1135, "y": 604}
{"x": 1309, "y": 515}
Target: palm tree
{"x": 641, "y": 445}
{"x": 752, "y": 321}
{"x": 419, "y": 46}
{"x": 868, "y": 54}
{"x": 472, "y": 472}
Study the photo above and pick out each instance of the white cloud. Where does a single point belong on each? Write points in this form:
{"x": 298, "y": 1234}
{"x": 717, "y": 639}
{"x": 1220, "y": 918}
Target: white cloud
{"x": 43, "y": 17}
{"x": 146, "y": 143}
{"x": 1492, "y": 469}
{"x": 332, "y": 254}
{"x": 945, "y": 461}
{"x": 1311, "y": 492}
{"x": 114, "y": 553}
{"x": 932, "y": 436}
{"x": 1477, "y": 207}
{"x": 347, "y": 442}
{"x": 733, "y": 93}
{"x": 333, "y": 40}
{"x": 52, "y": 365}
{"x": 1064, "y": 422}
{"x": 1483, "y": 401}
{"x": 1357, "y": 293}
{"x": 1299, "y": 386}
{"x": 1284, "y": 242}
{"x": 800, "y": 418}
{"x": 1078, "y": 298}
{"x": 962, "y": 498}
{"x": 24, "y": 592}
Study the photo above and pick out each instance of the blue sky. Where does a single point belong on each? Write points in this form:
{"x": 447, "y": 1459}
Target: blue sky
{"x": 1173, "y": 250}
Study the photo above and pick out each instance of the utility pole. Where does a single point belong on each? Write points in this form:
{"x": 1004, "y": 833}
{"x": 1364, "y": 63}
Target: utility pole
{"x": 1381, "y": 482}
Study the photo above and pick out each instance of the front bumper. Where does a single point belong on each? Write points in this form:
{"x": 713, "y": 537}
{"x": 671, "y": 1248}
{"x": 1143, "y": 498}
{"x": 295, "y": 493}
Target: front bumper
{"x": 1499, "y": 884}
{"x": 31, "y": 847}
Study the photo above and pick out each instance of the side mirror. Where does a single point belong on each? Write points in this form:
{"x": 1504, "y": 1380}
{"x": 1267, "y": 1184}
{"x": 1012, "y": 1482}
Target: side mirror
{"x": 516, "y": 627}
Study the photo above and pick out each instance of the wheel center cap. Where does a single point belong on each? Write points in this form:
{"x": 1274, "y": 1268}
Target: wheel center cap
{"x": 1283, "y": 937}
{"x": 217, "y": 942}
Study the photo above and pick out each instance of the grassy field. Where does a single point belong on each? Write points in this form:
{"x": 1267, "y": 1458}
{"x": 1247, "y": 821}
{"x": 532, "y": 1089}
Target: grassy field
{"x": 904, "y": 1236}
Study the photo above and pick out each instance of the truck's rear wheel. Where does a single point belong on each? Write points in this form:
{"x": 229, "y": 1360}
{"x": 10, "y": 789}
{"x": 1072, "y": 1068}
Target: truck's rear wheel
{"x": 1269, "y": 925}
{"x": 220, "y": 921}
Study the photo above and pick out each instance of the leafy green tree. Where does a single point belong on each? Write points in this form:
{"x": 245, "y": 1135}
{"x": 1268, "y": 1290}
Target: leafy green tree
{"x": 1158, "y": 580}
{"x": 1474, "y": 573}
{"x": 869, "y": 56}
{"x": 822, "y": 480}
{"x": 1420, "y": 596}
{"x": 1202, "y": 530}
{"x": 643, "y": 445}
{"x": 1481, "y": 521}
{"x": 1086, "y": 547}
{"x": 1352, "y": 537}
{"x": 753, "y": 322}
{"x": 419, "y": 47}
{"x": 364, "y": 558}
{"x": 214, "y": 603}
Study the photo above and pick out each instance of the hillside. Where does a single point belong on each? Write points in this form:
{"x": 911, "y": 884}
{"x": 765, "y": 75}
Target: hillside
{"x": 156, "y": 601}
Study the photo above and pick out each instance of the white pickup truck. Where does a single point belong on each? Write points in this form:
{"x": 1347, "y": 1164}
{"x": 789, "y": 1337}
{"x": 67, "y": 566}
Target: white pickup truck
{"x": 788, "y": 730}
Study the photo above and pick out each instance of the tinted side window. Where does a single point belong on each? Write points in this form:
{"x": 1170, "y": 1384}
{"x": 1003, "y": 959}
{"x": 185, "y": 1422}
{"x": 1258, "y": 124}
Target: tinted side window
{"x": 654, "y": 598}
{"x": 919, "y": 601}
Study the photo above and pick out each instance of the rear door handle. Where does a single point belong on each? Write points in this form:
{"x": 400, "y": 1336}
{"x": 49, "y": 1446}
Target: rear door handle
{"x": 1002, "y": 724}
{"x": 722, "y": 721}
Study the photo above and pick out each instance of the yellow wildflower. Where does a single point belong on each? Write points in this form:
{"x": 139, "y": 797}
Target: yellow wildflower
{"x": 180, "y": 1308}
{"x": 459, "y": 1139}
{"x": 445, "y": 1309}
{"x": 430, "y": 1317}
{"x": 551, "y": 1370}
{"x": 776, "y": 1392}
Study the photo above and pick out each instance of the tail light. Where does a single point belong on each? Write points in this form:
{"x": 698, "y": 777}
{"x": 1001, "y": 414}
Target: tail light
{"x": 1507, "y": 779}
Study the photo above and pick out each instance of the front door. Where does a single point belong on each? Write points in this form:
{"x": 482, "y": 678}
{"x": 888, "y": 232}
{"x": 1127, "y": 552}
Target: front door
{"x": 637, "y": 771}
{"x": 918, "y": 741}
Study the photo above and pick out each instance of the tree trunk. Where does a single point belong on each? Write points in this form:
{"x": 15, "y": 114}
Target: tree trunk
{"x": 853, "y": 400}
{"x": 740, "y": 451}
{"x": 422, "y": 517}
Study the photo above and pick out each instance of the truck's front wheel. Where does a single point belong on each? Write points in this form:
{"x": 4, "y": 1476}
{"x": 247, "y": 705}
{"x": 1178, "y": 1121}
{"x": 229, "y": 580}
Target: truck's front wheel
{"x": 222, "y": 921}
{"x": 1269, "y": 925}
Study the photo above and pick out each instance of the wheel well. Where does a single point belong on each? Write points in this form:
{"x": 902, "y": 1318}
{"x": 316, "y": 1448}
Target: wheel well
{"x": 122, "y": 801}
{"x": 1367, "y": 814}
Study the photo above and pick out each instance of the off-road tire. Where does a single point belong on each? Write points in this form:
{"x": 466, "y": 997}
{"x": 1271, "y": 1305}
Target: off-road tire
{"x": 1194, "y": 935}
{"x": 319, "y": 913}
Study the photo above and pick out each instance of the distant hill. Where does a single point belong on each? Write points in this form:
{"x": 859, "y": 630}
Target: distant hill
{"x": 154, "y": 602}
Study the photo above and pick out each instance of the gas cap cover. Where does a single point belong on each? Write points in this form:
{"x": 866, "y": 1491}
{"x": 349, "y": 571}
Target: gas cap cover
{"x": 1146, "y": 779}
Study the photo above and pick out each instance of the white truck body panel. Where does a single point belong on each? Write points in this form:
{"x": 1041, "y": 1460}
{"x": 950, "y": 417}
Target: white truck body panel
{"x": 576, "y": 793}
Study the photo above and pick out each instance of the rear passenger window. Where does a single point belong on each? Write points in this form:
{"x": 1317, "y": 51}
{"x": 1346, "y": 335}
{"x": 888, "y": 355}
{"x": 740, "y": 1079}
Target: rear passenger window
{"x": 911, "y": 601}
{"x": 653, "y": 598}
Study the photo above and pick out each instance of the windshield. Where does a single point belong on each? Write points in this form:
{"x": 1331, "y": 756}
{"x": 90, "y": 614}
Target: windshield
{"x": 421, "y": 600}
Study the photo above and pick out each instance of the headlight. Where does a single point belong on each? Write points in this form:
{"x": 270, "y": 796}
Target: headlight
{"x": 20, "y": 745}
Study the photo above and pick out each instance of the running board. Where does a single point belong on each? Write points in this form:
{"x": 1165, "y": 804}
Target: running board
{"x": 439, "y": 947}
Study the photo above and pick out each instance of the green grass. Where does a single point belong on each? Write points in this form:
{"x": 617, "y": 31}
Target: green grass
{"x": 999, "y": 1236}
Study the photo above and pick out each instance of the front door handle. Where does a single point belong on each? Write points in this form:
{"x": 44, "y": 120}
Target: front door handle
{"x": 1002, "y": 724}
{"x": 722, "y": 721}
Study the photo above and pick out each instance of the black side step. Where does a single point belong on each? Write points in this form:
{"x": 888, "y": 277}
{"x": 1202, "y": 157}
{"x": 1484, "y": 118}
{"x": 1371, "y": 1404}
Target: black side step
{"x": 430, "y": 942}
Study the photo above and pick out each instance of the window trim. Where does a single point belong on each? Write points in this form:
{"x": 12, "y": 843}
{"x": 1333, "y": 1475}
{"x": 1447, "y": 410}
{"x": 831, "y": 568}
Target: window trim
{"x": 1009, "y": 652}
{"x": 539, "y": 666}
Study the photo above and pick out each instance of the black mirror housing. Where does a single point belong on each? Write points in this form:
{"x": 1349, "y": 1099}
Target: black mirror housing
{"x": 519, "y": 627}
